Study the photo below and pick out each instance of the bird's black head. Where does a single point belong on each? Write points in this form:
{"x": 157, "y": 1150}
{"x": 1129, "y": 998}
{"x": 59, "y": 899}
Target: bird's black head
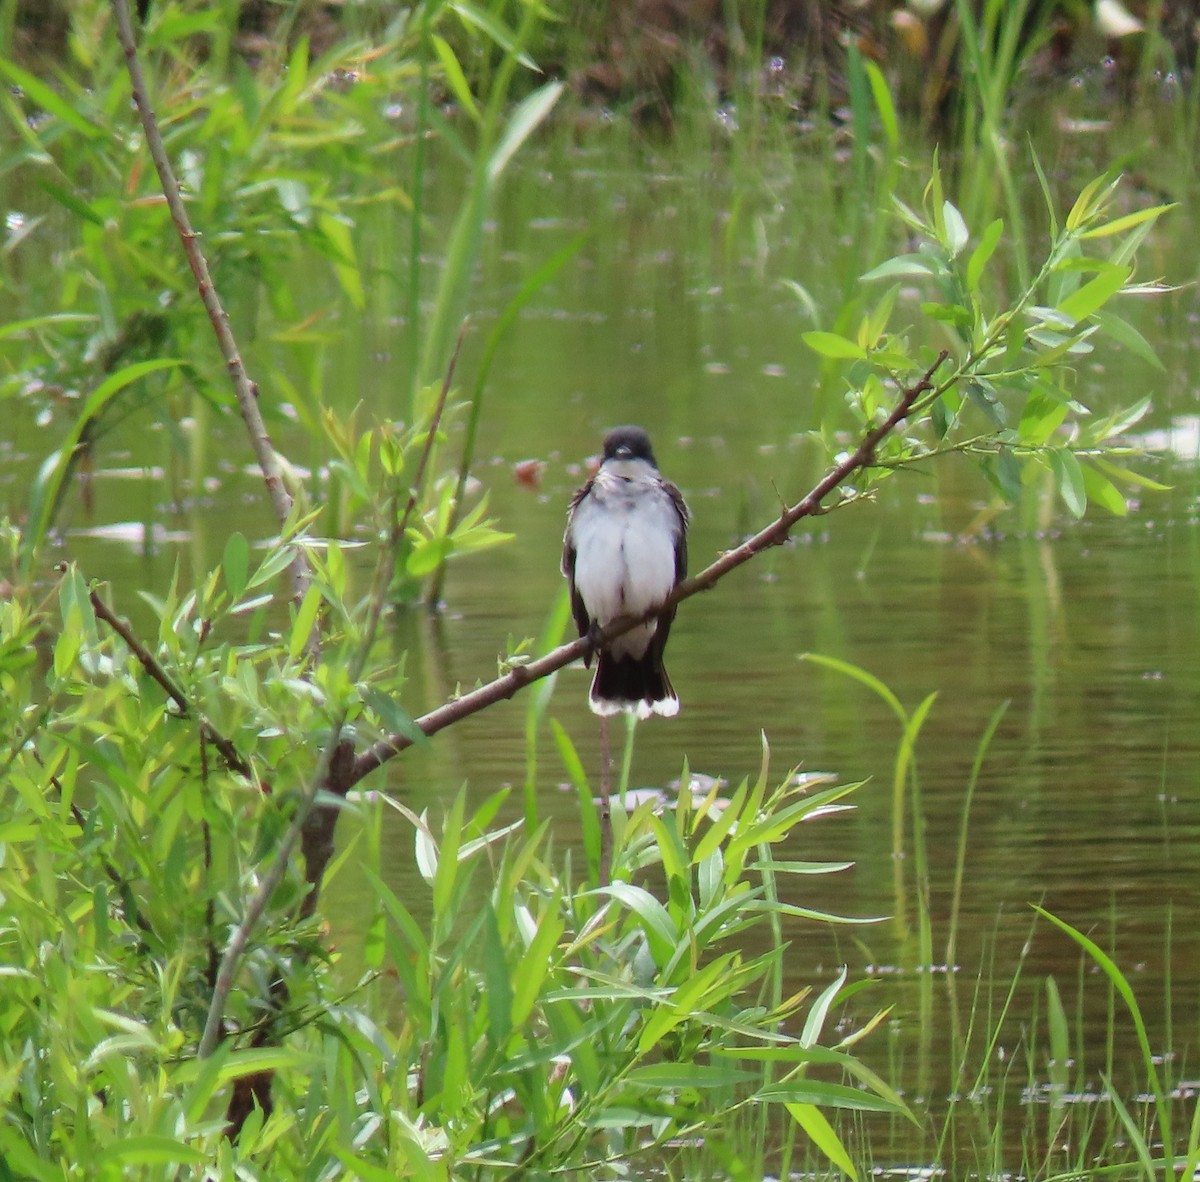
{"x": 628, "y": 443}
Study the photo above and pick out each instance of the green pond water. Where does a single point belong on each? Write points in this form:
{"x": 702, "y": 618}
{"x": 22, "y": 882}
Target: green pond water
{"x": 673, "y": 316}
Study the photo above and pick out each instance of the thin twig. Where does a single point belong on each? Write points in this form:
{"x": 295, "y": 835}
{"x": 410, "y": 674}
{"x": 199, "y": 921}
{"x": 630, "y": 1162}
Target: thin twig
{"x": 229, "y": 753}
{"x": 244, "y": 389}
{"x": 773, "y": 534}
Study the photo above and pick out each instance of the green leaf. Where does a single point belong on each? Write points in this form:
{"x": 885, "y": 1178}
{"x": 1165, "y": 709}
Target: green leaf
{"x": 1122, "y": 986}
{"x": 824, "y": 1095}
{"x": 235, "y": 565}
{"x": 669, "y": 1076}
{"x": 1128, "y": 221}
{"x": 830, "y": 344}
{"x": 1129, "y": 338}
{"x": 815, "y": 1022}
{"x": 902, "y": 265}
{"x": 1101, "y": 491}
{"x": 983, "y": 394}
{"x": 982, "y": 254}
{"x": 426, "y": 555}
{"x": 534, "y": 966}
{"x": 149, "y": 1150}
{"x": 502, "y": 36}
{"x": 1085, "y": 206}
{"x": 1004, "y": 471}
{"x": 345, "y": 264}
{"x": 814, "y": 1123}
{"x": 1128, "y": 476}
{"x": 1094, "y": 294}
{"x": 1068, "y": 478}
{"x": 456, "y": 78}
{"x": 48, "y": 484}
{"x": 304, "y": 622}
{"x": 883, "y": 104}
{"x": 957, "y": 234}
{"x": 1041, "y": 417}
{"x": 529, "y": 112}
{"x": 1046, "y": 195}
{"x": 68, "y": 200}
{"x": 49, "y": 100}
{"x": 661, "y": 932}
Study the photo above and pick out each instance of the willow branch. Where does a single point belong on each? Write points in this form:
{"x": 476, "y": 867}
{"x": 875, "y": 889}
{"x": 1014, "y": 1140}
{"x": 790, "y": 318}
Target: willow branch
{"x": 244, "y": 389}
{"x": 229, "y": 753}
{"x": 312, "y": 826}
{"x": 774, "y": 534}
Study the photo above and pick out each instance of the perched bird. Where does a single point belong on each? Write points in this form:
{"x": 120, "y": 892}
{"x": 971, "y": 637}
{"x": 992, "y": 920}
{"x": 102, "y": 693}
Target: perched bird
{"x": 624, "y": 550}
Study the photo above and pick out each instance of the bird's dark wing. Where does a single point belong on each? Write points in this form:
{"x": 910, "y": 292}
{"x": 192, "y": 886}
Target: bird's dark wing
{"x": 681, "y": 555}
{"x": 659, "y": 640}
{"x": 578, "y": 610}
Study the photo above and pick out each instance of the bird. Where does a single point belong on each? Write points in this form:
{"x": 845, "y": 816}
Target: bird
{"x": 624, "y": 551}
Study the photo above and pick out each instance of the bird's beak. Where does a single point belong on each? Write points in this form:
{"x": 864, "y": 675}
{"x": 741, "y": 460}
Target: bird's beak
{"x": 623, "y": 453}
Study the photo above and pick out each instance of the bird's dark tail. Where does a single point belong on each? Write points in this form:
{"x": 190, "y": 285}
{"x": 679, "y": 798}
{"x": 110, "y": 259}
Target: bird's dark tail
{"x": 632, "y": 685}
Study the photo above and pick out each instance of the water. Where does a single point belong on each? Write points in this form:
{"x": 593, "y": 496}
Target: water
{"x": 1088, "y": 801}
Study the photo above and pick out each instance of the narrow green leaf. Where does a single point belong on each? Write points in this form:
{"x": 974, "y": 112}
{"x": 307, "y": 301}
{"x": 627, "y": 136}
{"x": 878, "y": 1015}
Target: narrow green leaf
{"x": 306, "y": 618}
{"x": 830, "y": 344}
{"x": 150, "y": 1150}
{"x": 456, "y": 78}
{"x": 982, "y": 254}
{"x": 660, "y": 930}
{"x": 1103, "y": 492}
{"x": 497, "y": 984}
{"x": 911, "y": 265}
{"x": 235, "y": 565}
{"x": 1128, "y": 476}
{"x": 1094, "y": 294}
{"x": 49, "y": 99}
{"x": 819, "y": 1011}
{"x": 48, "y": 484}
{"x": 818, "y": 1129}
{"x": 448, "y": 860}
{"x": 860, "y": 675}
{"x": 1044, "y": 184}
{"x": 534, "y": 966}
{"x": 824, "y": 1095}
{"x": 1060, "y": 1046}
{"x": 529, "y": 112}
{"x": 720, "y": 826}
{"x": 1084, "y": 207}
{"x": 665, "y": 1076}
{"x": 345, "y": 263}
{"x": 1128, "y": 221}
{"x": 68, "y": 200}
{"x": 957, "y": 234}
{"x": 486, "y": 23}
{"x": 883, "y": 104}
{"x": 1068, "y": 478}
{"x": 1129, "y": 338}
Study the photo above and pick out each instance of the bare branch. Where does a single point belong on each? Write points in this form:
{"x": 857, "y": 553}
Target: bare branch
{"x": 771, "y": 535}
{"x": 244, "y": 389}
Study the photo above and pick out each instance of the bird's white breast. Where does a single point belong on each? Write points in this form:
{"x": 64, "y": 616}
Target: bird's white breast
{"x": 625, "y": 532}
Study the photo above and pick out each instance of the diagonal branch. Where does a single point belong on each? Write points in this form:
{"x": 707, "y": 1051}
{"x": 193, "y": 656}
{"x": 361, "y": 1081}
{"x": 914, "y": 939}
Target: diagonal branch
{"x": 233, "y": 758}
{"x": 774, "y": 534}
{"x": 244, "y": 389}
